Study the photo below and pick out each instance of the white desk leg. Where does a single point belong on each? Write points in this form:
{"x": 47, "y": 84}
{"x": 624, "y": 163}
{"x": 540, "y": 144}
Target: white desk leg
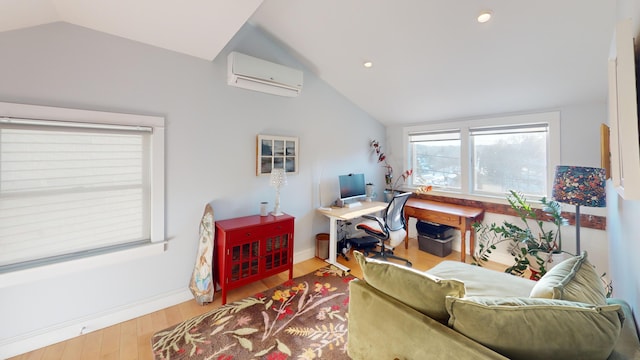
{"x": 333, "y": 244}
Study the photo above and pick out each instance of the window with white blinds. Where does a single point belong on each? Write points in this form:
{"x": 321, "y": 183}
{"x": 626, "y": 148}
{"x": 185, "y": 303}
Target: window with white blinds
{"x": 69, "y": 189}
{"x": 486, "y": 157}
{"x": 435, "y": 158}
{"x": 510, "y": 157}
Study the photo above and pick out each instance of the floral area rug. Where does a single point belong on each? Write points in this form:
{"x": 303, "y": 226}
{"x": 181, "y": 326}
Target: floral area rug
{"x": 304, "y": 318}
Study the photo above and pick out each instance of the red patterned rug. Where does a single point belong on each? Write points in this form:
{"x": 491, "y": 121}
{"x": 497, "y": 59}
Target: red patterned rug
{"x": 304, "y": 318}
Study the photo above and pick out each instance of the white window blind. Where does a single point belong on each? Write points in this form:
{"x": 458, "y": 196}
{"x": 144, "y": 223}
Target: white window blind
{"x": 69, "y": 188}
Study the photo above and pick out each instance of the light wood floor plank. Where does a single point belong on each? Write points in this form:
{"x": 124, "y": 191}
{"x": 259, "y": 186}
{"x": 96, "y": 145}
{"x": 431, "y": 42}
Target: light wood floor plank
{"x": 132, "y": 339}
{"x": 110, "y": 348}
{"x": 144, "y": 324}
{"x": 129, "y": 340}
{"x": 34, "y": 355}
{"x": 92, "y": 345}
{"x": 73, "y": 348}
{"x": 55, "y": 351}
{"x": 173, "y": 315}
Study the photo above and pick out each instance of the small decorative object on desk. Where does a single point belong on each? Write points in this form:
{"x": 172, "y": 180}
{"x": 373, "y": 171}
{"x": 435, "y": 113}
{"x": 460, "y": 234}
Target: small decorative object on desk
{"x": 278, "y": 179}
{"x": 370, "y": 192}
{"x": 423, "y": 189}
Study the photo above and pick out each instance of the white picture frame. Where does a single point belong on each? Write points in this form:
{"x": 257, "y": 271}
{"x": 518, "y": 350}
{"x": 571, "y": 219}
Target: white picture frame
{"x": 275, "y": 151}
{"x": 623, "y": 114}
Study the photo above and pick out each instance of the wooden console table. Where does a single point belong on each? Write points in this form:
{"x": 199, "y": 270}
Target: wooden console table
{"x": 458, "y": 216}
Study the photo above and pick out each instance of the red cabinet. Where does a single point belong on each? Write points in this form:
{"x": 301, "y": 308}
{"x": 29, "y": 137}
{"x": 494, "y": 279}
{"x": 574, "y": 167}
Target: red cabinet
{"x": 251, "y": 248}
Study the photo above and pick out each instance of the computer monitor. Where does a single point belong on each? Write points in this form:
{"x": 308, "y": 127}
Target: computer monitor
{"x": 352, "y": 187}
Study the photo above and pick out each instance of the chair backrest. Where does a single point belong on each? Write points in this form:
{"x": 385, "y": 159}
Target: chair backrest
{"x": 394, "y": 216}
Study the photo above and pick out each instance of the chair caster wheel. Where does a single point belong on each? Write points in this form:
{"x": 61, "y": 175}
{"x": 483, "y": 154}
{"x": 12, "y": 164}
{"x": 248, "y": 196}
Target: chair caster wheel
{"x": 409, "y": 264}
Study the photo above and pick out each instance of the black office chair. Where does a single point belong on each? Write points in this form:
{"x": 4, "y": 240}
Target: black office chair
{"x": 391, "y": 226}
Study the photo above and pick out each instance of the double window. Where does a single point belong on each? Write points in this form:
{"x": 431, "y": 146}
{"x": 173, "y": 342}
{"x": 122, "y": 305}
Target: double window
{"x": 74, "y": 187}
{"x": 488, "y": 156}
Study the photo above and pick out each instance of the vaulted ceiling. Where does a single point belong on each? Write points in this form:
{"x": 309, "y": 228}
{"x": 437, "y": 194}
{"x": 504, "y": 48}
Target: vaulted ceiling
{"x": 431, "y": 59}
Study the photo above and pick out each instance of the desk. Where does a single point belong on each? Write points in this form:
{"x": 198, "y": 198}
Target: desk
{"x": 458, "y": 216}
{"x": 335, "y": 214}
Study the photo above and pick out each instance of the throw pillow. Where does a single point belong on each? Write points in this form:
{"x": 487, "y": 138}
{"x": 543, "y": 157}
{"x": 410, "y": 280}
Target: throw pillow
{"x": 526, "y": 328}
{"x": 574, "y": 279}
{"x": 423, "y": 292}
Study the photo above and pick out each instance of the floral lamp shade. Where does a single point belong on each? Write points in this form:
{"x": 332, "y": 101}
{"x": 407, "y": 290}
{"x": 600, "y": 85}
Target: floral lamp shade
{"x": 582, "y": 186}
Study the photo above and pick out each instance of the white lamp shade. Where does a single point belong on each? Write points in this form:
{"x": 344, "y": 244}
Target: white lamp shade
{"x": 278, "y": 178}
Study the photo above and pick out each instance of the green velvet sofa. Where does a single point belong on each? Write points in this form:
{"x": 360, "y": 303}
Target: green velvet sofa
{"x": 461, "y": 311}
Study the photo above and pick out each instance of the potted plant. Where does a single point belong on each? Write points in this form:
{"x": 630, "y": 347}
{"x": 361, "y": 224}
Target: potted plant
{"x": 391, "y": 186}
{"x": 532, "y": 246}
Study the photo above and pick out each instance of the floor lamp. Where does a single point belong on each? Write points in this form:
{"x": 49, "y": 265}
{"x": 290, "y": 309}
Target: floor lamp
{"x": 580, "y": 186}
{"x": 278, "y": 179}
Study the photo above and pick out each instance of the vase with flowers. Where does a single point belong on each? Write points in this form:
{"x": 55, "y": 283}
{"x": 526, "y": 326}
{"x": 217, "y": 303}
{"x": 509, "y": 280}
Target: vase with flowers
{"x": 391, "y": 186}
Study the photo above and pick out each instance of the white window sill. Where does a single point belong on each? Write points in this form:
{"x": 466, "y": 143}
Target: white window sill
{"x": 22, "y": 276}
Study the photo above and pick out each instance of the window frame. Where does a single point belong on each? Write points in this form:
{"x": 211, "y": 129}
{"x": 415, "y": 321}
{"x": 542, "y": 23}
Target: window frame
{"x": 24, "y": 112}
{"x": 552, "y": 119}
{"x": 433, "y": 133}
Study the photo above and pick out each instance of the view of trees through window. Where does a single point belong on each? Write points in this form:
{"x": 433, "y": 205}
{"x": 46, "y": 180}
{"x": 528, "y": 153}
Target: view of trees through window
{"x": 510, "y": 161}
{"x": 500, "y": 159}
{"x": 437, "y": 163}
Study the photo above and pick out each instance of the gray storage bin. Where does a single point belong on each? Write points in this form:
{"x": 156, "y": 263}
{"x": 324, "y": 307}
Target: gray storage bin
{"x": 439, "y": 247}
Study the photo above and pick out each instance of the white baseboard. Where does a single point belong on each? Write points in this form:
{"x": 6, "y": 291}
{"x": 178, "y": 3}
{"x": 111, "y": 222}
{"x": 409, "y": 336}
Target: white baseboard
{"x": 70, "y": 329}
{"x": 303, "y": 255}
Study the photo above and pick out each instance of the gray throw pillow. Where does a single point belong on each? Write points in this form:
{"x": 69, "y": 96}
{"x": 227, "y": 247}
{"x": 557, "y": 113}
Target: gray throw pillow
{"x": 531, "y": 329}
{"x": 574, "y": 279}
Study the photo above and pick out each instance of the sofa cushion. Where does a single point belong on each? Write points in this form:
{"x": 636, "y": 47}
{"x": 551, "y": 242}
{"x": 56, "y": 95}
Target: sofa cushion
{"x": 423, "y": 292}
{"x": 479, "y": 281}
{"x": 528, "y": 328}
{"x": 574, "y": 279}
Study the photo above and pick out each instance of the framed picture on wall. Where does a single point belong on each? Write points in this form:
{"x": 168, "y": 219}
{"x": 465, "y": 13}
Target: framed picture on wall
{"x": 623, "y": 114}
{"x": 275, "y": 152}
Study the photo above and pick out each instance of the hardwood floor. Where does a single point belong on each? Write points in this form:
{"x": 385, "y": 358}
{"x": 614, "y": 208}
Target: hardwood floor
{"x": 132, "y": 339}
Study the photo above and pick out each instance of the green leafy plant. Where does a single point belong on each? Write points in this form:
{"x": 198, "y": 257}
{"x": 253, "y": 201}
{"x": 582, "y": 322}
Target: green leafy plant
{"x": 529, "y": 242}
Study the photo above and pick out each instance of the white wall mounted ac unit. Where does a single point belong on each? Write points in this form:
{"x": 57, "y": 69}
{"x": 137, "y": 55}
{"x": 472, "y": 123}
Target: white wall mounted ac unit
{"x": 251, "y": 73}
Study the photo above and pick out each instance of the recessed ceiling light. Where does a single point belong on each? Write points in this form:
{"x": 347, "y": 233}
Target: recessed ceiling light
{"x": 367, "y": 64}
{"x": 484, "y": 16}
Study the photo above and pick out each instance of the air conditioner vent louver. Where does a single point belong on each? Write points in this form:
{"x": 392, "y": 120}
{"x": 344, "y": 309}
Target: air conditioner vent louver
{"x": 251, "y": 73}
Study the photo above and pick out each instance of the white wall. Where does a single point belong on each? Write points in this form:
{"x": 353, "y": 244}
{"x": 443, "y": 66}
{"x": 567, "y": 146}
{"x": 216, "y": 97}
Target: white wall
{"x": 210, "y": 154}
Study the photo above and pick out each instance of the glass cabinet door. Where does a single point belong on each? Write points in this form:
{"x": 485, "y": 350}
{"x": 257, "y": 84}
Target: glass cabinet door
{"x": 244, "y": 260}
{"x": 276, "y": 251}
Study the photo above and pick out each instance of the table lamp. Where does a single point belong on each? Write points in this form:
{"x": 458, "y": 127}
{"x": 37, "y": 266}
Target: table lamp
{"x": 278, "y": 179}
{"x": 579, "y": 186}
